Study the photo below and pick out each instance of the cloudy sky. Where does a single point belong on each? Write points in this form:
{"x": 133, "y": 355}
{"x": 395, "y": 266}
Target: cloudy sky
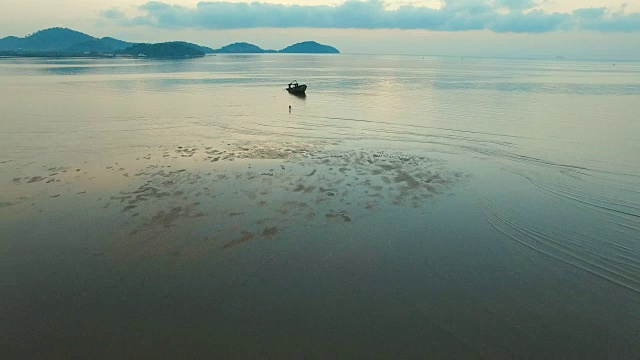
{"x": 600, "y": 29}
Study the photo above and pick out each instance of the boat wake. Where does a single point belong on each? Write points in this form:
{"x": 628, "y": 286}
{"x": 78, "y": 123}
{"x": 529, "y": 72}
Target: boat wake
{"x": 594, "y": 231}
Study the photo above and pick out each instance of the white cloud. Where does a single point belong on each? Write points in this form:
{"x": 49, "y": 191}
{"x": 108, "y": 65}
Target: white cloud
{"x": 454, "y": 15}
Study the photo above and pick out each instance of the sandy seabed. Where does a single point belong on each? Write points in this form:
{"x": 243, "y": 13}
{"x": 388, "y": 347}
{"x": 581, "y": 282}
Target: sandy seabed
{"x": 235, "y": 192}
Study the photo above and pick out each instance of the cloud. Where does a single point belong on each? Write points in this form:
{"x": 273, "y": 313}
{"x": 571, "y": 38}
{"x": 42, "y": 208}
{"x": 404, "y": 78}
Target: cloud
{"x": 113, "y": 14}
{"x": 515, "y": 4}
{"x": 533, "y": 22}
{"x": 517, "y": 16}
{"x": 600, "y": 19}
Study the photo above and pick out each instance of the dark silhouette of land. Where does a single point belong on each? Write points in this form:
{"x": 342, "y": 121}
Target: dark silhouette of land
{"x": 242, "y": 48}
{"x": 63, "y": 42}
{"x": 307, "y": 47}
{"x": 163, "y": 50}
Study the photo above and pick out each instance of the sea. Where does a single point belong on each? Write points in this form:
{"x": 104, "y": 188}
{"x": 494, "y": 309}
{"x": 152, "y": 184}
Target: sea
{"x": 406, "y": 207}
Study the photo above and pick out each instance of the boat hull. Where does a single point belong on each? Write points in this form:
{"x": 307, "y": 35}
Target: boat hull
{"x": 300, "y": 89}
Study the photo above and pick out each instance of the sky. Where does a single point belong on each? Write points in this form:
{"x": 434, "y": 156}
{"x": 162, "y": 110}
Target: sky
{"x": 589, "y": 29}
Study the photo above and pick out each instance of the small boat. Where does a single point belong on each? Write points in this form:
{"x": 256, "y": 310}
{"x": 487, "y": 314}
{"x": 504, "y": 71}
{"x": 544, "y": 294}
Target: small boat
{"x": 296, "y": 89}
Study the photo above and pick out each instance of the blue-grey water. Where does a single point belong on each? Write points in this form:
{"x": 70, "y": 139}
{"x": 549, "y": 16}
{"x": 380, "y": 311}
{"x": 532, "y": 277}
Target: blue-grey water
{"x": 407, "y": 207}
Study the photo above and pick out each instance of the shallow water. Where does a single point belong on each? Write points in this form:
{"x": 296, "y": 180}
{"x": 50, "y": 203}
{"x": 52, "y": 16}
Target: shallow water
{"x": 407, "y": 207}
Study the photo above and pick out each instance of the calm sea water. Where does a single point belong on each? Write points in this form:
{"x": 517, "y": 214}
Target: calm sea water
{"x": 406, "y": 207}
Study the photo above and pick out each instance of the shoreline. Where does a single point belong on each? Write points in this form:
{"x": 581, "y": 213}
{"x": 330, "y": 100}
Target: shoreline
{"x": 55, "y": 55}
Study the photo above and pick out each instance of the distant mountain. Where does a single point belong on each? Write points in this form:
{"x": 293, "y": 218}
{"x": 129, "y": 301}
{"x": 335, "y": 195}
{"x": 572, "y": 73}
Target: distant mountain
{"x": 54, "y": 39}
{"x": 241, "y": 48}
{"x": 309, "y": 47}
{"x": 204, "y": 49}
{"x": 11, "y": 43}
{"x": 60, "y": 41}
{"x": 116, "y": 44}
{"x": 91, "y": 46}
{"x": 163, "y": 50}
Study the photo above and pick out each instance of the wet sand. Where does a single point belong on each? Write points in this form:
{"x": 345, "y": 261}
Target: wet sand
{"x": 261, "y": 188}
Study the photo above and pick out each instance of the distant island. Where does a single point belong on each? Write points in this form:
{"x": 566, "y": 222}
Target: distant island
{"x": 241, "y": 48}
{"x": 163, "y": 50}
{"x": 307, "y": 47}
{"x": 63, "y": 42}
